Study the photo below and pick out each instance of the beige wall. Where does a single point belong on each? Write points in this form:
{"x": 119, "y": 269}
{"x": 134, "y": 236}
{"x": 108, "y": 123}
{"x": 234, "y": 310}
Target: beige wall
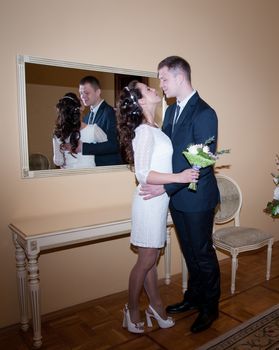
{"x": 233, "y": 48}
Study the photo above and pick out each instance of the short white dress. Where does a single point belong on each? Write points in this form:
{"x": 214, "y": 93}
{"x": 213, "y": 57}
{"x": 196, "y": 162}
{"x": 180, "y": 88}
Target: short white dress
{"x": 92, "y": 133}
{"x": 152, "y": 151}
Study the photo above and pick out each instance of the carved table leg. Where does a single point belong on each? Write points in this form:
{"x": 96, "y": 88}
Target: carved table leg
{"x": 21, "y": 284}
{"x": 34, "y": 289}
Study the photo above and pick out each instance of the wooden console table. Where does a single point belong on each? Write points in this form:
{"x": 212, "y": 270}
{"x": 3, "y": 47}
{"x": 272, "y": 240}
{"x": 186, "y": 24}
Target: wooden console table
{"x": 34, "y": 235}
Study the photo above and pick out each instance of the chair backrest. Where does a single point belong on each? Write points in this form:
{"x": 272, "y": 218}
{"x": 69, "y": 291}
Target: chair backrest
{"x": 38, "y": 161}
{"x": 230, "y": 200}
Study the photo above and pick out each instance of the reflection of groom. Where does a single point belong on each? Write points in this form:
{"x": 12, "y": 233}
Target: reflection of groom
{"x": 102, "y": 114}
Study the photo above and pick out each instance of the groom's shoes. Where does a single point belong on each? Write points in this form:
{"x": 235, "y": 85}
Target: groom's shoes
{"x": 183, "y": 306}
{"x": 204, "y": 320}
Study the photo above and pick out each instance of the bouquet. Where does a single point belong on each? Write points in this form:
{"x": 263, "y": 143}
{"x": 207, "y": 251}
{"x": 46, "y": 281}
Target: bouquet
{"x": 199, "y": 156}
{"x": 272, "y": 208}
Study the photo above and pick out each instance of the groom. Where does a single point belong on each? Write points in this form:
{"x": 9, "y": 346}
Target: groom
{"x": 102, "y": 114}
{"x": 191, "y": 121}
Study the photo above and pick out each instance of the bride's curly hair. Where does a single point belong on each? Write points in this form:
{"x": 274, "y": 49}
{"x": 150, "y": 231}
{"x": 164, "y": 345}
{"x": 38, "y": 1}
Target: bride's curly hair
{"x": 129, "y": 116}
{"x": 68, "y": 121}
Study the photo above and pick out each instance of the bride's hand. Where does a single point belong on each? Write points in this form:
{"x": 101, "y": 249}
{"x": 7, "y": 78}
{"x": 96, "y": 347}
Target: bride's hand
{"x": 68, "y": 147}
{"x": 189, "y": 175}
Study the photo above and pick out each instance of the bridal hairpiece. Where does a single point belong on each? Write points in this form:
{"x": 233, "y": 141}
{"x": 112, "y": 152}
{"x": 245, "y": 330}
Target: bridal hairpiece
{"x": 71, "y": 98}
{"x": 137, "y": 109}
{"x": 132, "y": 96}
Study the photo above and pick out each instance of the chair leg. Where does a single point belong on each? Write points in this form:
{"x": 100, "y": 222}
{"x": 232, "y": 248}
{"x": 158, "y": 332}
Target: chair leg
{"x": 234, "y": 267}
{"x": 184, "y": 274}
{"x": 269, "y": 255}
{"x": 168, "y": 257}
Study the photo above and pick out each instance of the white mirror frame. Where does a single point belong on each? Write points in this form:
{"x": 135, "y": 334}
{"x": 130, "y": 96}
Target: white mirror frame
{"x": 22, "y": 113}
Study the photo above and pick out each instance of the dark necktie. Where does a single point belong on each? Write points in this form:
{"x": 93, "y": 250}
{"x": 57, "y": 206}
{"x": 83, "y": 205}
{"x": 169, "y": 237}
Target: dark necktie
{"x": 91, "y": 118}
{"x": 175, "y": 119}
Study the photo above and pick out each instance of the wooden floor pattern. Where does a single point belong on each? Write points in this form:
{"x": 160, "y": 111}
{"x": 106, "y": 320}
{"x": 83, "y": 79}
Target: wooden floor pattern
{"x": 97, "y": 325}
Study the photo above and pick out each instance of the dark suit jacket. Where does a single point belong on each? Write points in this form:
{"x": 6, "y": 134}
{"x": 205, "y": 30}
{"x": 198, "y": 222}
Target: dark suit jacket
{"x": 197, "y": 123}
{"x": 106, "y": 153}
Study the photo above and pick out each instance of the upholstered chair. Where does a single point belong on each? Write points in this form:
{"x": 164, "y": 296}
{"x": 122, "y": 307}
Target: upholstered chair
{"x": 38, "y": 161}
{"x": 236, "y": 239}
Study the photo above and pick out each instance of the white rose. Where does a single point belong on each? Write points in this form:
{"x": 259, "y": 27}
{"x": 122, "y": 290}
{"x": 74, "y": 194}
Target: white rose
{"x": 276, "y": 180}
{"x": 205, "y": 149}
{"x": 193, "y": 149}
{"x": 276, "y": 193}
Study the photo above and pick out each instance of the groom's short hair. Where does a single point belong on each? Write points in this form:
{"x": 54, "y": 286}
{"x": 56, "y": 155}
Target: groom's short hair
{"x": 176, "y": 62}
{"x": 93, "y": 81}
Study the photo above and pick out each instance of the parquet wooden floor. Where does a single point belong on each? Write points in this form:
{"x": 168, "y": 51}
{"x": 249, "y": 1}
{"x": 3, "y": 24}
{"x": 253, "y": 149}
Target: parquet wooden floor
{"x": 97, "y": 325}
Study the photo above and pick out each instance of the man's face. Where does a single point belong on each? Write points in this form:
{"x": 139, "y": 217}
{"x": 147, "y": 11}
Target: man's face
{"x": 168, "y": 81}
{"x": 88, "y": 94}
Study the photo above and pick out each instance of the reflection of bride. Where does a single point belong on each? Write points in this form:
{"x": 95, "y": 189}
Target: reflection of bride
{"x": 69, "y": 130}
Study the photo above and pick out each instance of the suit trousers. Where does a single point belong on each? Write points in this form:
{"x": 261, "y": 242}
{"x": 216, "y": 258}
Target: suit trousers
{"x": 194, "y": 231}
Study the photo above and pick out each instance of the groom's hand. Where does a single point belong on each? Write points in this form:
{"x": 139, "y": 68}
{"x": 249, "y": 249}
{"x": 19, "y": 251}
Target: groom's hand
{"x": 151, "y": 191}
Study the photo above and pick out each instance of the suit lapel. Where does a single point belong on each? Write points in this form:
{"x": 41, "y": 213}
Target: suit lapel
{"x": 100, "y": 111}
{"x": 186, "y": 113}
{"x": 168, "y": 120}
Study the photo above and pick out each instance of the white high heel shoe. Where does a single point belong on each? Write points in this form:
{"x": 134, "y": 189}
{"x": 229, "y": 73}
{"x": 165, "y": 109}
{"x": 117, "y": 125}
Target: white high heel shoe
{"x": 169, "y": 322}
{"x": 127, "y": 323}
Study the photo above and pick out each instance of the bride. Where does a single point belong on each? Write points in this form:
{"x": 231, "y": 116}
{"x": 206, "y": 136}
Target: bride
{"x": 69, "y": 130}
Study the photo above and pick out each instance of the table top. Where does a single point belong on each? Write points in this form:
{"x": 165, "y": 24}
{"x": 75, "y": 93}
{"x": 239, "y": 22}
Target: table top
{"x": 41, "y": 225}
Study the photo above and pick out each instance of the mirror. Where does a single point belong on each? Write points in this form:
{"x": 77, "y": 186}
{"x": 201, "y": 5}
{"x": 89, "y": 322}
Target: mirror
{"x": 41, "y": 83}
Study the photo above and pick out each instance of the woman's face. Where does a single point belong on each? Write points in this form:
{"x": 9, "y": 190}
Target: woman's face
{"x": 149, "y": 95}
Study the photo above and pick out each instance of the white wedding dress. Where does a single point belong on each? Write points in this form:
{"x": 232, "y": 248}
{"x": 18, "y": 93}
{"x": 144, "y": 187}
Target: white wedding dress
{"x": 152, "y": 151}
{"x": 91, "y": 134}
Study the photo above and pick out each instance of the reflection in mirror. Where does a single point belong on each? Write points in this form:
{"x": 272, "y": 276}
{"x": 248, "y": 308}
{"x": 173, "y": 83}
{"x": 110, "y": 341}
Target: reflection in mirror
{"x": 41, "y": 83}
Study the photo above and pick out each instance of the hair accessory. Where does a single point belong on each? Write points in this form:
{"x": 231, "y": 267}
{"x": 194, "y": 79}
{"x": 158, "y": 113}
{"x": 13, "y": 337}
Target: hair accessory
{"x": 132, "y": 96}
{"x": 71, "y": 98}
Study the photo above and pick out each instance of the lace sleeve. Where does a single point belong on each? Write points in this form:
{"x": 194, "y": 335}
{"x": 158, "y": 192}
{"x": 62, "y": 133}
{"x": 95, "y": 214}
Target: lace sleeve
{"x": 58, "y": 156}
{"x": 143, "y": 145}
